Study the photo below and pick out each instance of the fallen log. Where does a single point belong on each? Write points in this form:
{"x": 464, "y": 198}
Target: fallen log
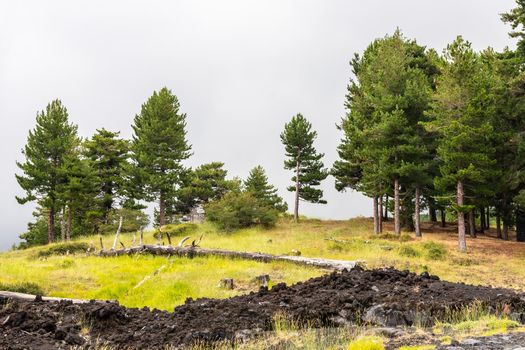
{"x": 31, "y": 297}
{"x": 193, "y": 251}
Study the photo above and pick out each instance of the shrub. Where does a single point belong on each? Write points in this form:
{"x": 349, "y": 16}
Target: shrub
{"x": 24, "y": 287}
{"x": 434, "y": 251}
{"x": 64, "y": 248}
{"x": 239, "y": 210}
{"x": 408, "y": 251}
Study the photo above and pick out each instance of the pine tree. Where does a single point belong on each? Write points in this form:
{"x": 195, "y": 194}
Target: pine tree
{"x": 298, "y": 139}
{"x": 159, "y": 146}
{"x": 461, "y": 115}
{"x": 384, "y": 148}
{"x": 199, "y": 186}
{"x": 48, "y": 145}
{"x": 516, "y": 18}
{"x": 78, "y": 196}
{"x": 257, "y": 184}
{"x": 109, "y": 156}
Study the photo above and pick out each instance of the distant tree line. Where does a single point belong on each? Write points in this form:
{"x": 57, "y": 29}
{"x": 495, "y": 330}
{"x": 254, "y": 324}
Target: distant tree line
{"x": 84, "y": 186}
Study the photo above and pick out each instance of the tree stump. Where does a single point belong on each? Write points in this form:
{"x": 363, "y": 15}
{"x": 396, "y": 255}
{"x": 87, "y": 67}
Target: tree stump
{"x": 226, "y": 283}
{"x": 263, "y": 280}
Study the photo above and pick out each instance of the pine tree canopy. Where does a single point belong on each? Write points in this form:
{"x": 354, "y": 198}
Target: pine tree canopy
{"x": 298, "y": 139}
{"x": 48, "y": 145}
{"x": 159, "y": 144}
{"x": 257, "y": 184}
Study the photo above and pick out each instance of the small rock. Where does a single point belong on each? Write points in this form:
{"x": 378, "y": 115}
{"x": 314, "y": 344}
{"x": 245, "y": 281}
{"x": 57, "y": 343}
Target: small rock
{"x": 469, "y": 341}
{"x": 424, "y": 274}
{"x": 375, "y": 289}
{"x": 296, "y": 252}
{"x": 74, "y": 339}
{"x": 60, "y": 334}
{"x": 380, "y": 316}
{"x": 454, "y": 348}
{"x": 389, "y": 332}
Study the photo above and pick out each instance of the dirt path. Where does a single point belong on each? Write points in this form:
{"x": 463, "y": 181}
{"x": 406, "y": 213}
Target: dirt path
{"x": 385, "y": 297}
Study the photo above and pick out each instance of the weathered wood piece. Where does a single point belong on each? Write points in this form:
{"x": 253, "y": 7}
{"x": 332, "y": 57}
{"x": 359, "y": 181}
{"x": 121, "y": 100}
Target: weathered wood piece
{"x": 31, "y": 297}
{"x": 193, "y": 251}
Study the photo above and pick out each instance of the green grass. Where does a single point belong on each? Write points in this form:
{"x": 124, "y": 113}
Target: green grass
{"x": 80, "y": 276}
{"x": 142, "y": 280}
{"x": 367, "y": 343}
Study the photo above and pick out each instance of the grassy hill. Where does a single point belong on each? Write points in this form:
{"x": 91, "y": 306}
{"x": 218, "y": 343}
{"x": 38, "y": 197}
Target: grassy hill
{"x": 164, "y": 282}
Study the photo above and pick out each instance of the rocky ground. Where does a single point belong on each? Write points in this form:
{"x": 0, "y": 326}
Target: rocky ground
{"x": 383, "y": 297}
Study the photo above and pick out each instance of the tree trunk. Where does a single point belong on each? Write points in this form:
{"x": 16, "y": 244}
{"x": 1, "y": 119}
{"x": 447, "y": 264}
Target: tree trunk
{"x": 487, "y": 220}
{"x": 498, "y": 226}
{"x": 386, "y": 207}
{"x": 462, "y": 240}
{"x": 63, "y": 225}
{"x": 380, "y": 216}
{"x": 417, "y": 210}
{"x": 505, "y": 228}
{"x": 505, "y": 216}
{"x": 297, "y": 188}
{"x": 162, "y": 210}
{"x": 51, "y": 224}
{"x": 443, "y": 218}
{"x": 69, "y": 227}
{"x": 482, "y": 217}
{"x": 376, "y": 219}
{"x": 191, "y": 251}
{"x": 397, "y": 218}
{"x": 472, "y": 223}
{"x": 117, "y": 233}
{"x": 432, "y": 212}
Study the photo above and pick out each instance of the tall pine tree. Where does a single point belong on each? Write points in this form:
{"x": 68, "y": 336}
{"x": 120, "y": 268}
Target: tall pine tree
{"x": 461, "y": 115}
{"x": 109, "y": 156}
{"x": 298, "y": 139}
{"x": 159, "y": 146}
{"x": 48, "y": 146}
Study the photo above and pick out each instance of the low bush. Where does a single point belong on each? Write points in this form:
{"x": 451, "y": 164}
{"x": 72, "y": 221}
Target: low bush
{"x": 408, "y": 251}
{"x": 239, "y": 210}
{"x": 64, "y": 249}
{"x": 434, "y": 251}
{"x": 23, "y": 287}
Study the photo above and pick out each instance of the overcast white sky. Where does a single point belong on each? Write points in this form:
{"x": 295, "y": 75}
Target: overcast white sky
{"x": 240, "y": 68}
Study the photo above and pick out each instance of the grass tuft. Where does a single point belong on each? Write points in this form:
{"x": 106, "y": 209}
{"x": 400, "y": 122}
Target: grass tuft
{"x": 22, "y": 287}
{"x": 434, "y": 251}
{"x": 408, "y": 251}
{"x": 367, "y": 343}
